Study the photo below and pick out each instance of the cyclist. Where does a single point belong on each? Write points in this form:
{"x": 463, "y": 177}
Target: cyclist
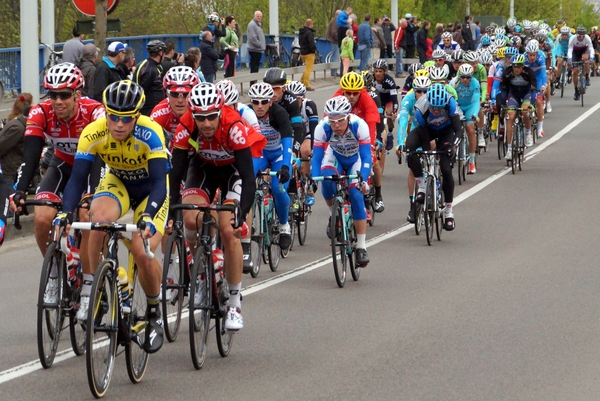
{"x": 370, "y": 87}
{"x": 277, "y": 154}
{"x": 480, "y": 74}
{"x": 412, "y": 69}
{"x": 343, "y": 143}
{"x": 504, "y": 55}
{"x": 440, "y": 75}
{"x": 457, "y": 60}
{"x": 561, "y": 49}
{"x": 224, "y": 146}
{"x": 438, "y": 58}
{"x": 580, "y": 49}
{"x": 518, "y": 87}
{"x": 484, "y": 42}
{"x": 437, "y": 119}
{"x": 469, "y": 92}
{"x": 537, "y": 62}
{"x": 407, "y": 111}
{"x": 447, "y": 44}
{"x": 60, "y": 121}
{"x": 133, "y": 148}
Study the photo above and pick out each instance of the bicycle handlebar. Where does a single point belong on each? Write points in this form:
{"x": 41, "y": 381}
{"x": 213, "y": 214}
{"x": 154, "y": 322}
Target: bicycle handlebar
{"x": 33, "y": 202}
{"x": 204, "y": 207}
{"x": 114, "y": 226}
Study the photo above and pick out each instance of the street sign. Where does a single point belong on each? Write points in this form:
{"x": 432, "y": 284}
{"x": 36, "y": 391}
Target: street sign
{"x": 87, "y": 26}
{"x": 88, "y": 7}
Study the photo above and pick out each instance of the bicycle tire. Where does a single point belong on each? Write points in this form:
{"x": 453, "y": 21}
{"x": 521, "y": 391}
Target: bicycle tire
{"x": 303, "y": 219}
{"x": 257, "y": 246}
{"x": 201, "y": 280}
{"x": 135, "y": 356}
{"x": 174, "y": 264}
{"x": 418, "y": 216}
{"x": 274, "y": 250}
{"x": 224, "y": 336}
{"x": 337, "y": 243}
{"x": 515, "y": 148}
{"x": 500, "y": 147}
{"x": 439, "y": 214}
{"x": 292, "y": 223}
{"x": 465, "y": 166}
{"x": 77, "y": 329}
{"x": 102, "y": 324}
{"x": 296, "y": 60}
{"x": 50, "y": 316}
{"x": 354, "y": 269}
{"x": 429, "y": 209}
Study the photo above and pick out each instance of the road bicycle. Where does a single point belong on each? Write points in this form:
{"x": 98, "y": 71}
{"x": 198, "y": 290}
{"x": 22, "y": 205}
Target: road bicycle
{"x": 54, "y": 58}
{"x": 209, "y": 291}
{"x": 581, "y": 87}
{"x": 462, "y": 155}
{"x": 108, "y": 323}
{"x": 299, "y": 212}
{"x": 563, "y": 78}
{"x": 67, "y": 281}
{"x": 518, "y": 140}
{"x": 486, "y": 130}
{"x": 343, "y": 233}
{"x": 265, "y": 226}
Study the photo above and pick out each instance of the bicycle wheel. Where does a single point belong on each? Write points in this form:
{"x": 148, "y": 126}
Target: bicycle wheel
{"x": 515, "y": 149}
{"x": 102, "y": 324}
{"x": 257, "y": 246}
{"x": 439, "y": 214}
{"x": 173, "y": 284}
{"x": 76, "y": 328}
{"x": 337, "y": 244}
{"x": 50, "y": 314}
{"x": 274, "y": 251}
{"x": 354, "y": 269}
{"x": 200, "y": 307}
{"x": 465, "y": 165}
{"x": 224, "y": 337}
{"x": 135, "y": 356}
{"x": 302, "y": 223}
{"x": 429, "y": 208}
{"x": 295, "y": 59}
{"x": 418, "y": 217}
{"x": 461, "y": 161}
{"x": 500, "y": 148}
{"x": 292, "y": 223}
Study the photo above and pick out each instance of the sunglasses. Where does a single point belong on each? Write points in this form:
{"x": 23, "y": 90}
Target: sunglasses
{"x": 518, "y": 65}
{"x": 60, "y": 95}
{"x": 338, "y": 121}
{"x": 178, "y": 94}
{"x": 277, "y": 87}
{"x": 210, "y": 117}
{"x": 436, "y": 109}
{"x": 421, "y": 90}
{"x": 115, "y": 118}
{"x": 352, "y": 93}
{"x": 465, "y": 77}
{"x": 263, "y": 101}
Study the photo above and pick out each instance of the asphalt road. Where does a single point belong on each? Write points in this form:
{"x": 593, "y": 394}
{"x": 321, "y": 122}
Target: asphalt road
{"x": 504, "y": 307}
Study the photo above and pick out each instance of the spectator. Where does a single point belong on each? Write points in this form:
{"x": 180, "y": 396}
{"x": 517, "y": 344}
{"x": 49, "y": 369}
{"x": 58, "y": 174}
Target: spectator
{"x": 378, "y": 40}
{"x": 209, "y": 58}
{"x": 457, "y": 34}
{"x": 343, "y": 24}
{"x": 73, "y": 48}
{"x": 347, "y": 51}
{"x": 215, "y": 26}
{"x": 388, "y": 28}
{"x": 422, "y": 41}
{"x": 332, "y": 38}
{"x": 429, "y": 53}
{"x": 127, "y": 67}
{"x": 148, "y": 74}
{"x": 308, "y": 48}
{"x": 400, "y": 46}
{"x": 467, "y": 36}
{"x": 353, "y": 18}
{"x": 256, "y": 42}
{"x": 230, "y": 45}
{"x": 365, "y": 42}
{"x": 11, "y": 139}
{"x": 107, "y": 71}
{"x": 411, "y": 28}
{"x": 170, "y": 58}
{"x": 192, "y": 59}
{"x": 437, "y": 35}
{"x": 87, "y": 65}
{"x": 477, "y": 32}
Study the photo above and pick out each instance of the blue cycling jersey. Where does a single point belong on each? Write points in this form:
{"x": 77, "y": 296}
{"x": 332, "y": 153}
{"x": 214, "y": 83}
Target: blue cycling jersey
{"x": 468, "y": 95}
{"x": 539, "y": 68}
{"x": 435, "y": 122}
{"x": 407, "y": 109}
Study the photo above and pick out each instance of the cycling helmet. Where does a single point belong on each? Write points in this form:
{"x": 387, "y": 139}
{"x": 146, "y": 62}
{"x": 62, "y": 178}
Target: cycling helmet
{"x": 526, "y": 24}
{"x": 438, "y": 96}
{"x": 124, "y": 98}
{"x": 517, "y": 29}
{"x": 228, "y": 91}
{"x": 275, "y": 76}
{"x": 337, "y": 106}
{"x": 439, "y": 73}
{"x": 369, "y": 78}
{"x": 535, "y": 24}
{"x": 499, "y": 31}
{"x": 560, "y": 23}
{"x": 438, "y": 53}
{"x": 533, "y": 32}
{"x": 515, "y": 41}
{"x": 545, "y": 26}
{"x": 261, "y": 90}
{"x": 156, "y": 46}
{"x": 518, "y": 59}
{"x": 352, "y": 81}
{"x": 532, "y": 47}
{"x": 485, "y": 40}
{"x": 181, "y": 76}
{"x": 465, "y": 70}
{"x": 213, "y": 19}
{"x": 448, "y": 57}
{"x": 423, "y": 72}
{"x": 457, "y": 55}
{"x": 565, "y": 29}
{"x": 414, "y": 68}
{"x": 542, "y": 35}
{"x": 446, "y": 35}
{"x": 500, "y": 52}
{"x": 296, "y": 88}
{"x": 489, "y": 29}
{"x": 63, "y": 76}
{"x": 380, "y": 64}
{"x": 581, "y": 30}
{"x": 486, "y": 58}
{"x": 511, "y": 51}
{"x": 500, "y": 41}
{"x": 204, "y": 97}
{"x": 470, "y": 57}
{"x": 512, "y": 22}
{"x": 421, "y": 83}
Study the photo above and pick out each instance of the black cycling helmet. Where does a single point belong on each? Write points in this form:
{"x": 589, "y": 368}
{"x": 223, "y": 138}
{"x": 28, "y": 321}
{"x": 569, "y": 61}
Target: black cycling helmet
{"x": 275, "y": 76}
{"x": 156, "y": 46}
{"x": 581, "y": 30}
{"x": 123, "y": 98}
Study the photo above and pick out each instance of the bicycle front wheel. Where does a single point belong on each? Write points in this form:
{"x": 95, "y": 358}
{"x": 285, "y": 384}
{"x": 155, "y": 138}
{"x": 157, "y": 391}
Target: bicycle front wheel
{"x": 173, "y": 284}
{"x": 224, "y": 337}
{"x": 439, "y": 215}
{"x": 354, "y": 268}
{"x": 49, "y": 308}
{"x": 200, "y": 307}
{"x": 102, "y": 324}
{"x": 76, "y": 328}
{"x": 303, "y": 214}
{"x": 136, "y": 357}
{"x": 274, "y": 251}
{"x": 337, "y": 244}
{"x": 429, "y": 208}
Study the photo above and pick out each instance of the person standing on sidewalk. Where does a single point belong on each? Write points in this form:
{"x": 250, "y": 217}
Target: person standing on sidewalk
{"x": 387, "y": 28}
{"x": 422, "y": 41}
{"x": 230, "y": 45}
{"x": 411, "y": 28}
{"x": 365, "y": 42}
{"x": 332, "y": 37}
{"x": 256, "y": 42}
{"x": 400, "y": 46}
{"x": 308, "y": 48}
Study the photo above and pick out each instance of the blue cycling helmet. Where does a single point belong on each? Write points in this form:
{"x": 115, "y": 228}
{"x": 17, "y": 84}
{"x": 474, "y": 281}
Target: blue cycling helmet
{"x": 511, "y": 51}
{"x": 485, "y": 40}
{"x": 517, "y": 29}
{"x": 438, "y": 96}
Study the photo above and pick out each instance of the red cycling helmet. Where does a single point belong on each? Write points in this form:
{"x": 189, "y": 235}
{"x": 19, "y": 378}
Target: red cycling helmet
{"x": 204, "y": 97}
{"x": 64, "y": 75}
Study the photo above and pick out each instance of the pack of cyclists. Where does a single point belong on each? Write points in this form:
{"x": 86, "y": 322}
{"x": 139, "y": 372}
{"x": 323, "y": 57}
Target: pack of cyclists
{"x": 200, "y": 141}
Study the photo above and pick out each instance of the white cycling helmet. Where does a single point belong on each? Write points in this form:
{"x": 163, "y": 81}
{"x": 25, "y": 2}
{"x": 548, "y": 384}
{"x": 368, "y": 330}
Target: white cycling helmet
{"x": 486, "y": 58}
{"x": 338, "y": 106}
{"x": 465, "y": 70}
{"x": 421, "y": 83}
{"x": 512, "y": 22}
{"x": 499, "y": 31}
{"x": 532, "y": 47}
{"x": 180, "y": 77}
{"x": 438, "y": 53}
{"x": 446, "y": 35}
{"x": 526, "y": 24}
{"x": 439, "y": 73}
{"x": 535, "y": 24}
{"x": 204, "y": 97}
{"x": 470, "y": 57}
{"x": 565, "y": 29}
{"x": 229, "y": 91}
{"x": 261, "y": 90}
{"x": 296, "y": 88}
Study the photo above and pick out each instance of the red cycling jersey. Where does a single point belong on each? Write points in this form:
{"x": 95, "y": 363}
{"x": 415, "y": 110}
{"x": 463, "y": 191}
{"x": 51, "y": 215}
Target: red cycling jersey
{"x": 163, "y": 114}
{"x": 63, "y": 135}
{"x": 232, "y": 134}
{"x": 365, "y": 108}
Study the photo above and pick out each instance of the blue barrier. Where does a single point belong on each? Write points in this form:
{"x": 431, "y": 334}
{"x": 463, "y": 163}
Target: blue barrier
{"x": 10, "y": 58}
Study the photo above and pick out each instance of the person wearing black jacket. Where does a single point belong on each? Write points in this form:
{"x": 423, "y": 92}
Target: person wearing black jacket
{"x": 106, "y": 71}
{"x": 409, "y": 35}
{"x": 148, "y": 74}
{"x": 308, "y": 48}
{"x": 467, "y": 35}
{"x": 210, "y": 56}
{"x": 422, "y": 41}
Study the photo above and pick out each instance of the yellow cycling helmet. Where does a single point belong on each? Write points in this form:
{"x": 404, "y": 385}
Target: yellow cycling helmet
{"x": 422, "y": 73}
{"x": 352, "y": 81}
{"x": 500, "y": 52}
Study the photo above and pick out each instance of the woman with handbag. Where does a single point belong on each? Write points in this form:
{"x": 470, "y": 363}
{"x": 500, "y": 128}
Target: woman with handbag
{"x": 229, "y": 44}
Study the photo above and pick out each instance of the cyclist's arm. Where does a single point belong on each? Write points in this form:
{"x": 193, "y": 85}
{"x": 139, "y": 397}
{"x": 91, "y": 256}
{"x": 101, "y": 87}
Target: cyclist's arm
{"x": 455, "y": 118}
{"x": 570, "y": 50}
{"x": 320, "y": 142}
{"x": 364, "y": 150}
{"x": 313, "y": 117}
{"x": 77, "y": 182}
{"x": 31, "y": 160}
{"x": 157, "y": 169}
{"x": 243, "y": 164}
{"x": 407, "y": 105}
{"x": 179, "y": 164}
{"x": 475, "y": 96}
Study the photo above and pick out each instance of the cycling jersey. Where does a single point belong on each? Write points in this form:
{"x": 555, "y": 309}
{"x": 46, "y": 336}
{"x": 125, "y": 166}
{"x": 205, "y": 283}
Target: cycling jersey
{"x": 448, "y": 49}
{"x": 539, "y": 69}
{"x": 367, "y": 109}
{"x": 248, "y": 115}
{"x": 290, "y": 103}
{"x": 376, "y": 97}
{"x": 388, "y": 92}
{"x": 500, "y": 66}
{"x": 310, "y": 116}
{"x": 561, "y": 46}
{"x": 163, "y": 114}
{"x": 468, "y": 98}
{"x": 425, "y": 118}
{"x": 520, "y": 88}
{"x": 578, "y": 47}
{"x": 407, "y": 109}
{"x": 407, "y": 85}
{"x": 481, "y": 76}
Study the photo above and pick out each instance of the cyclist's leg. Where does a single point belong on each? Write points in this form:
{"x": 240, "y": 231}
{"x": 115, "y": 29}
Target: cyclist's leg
{"x": 282, "y": 205}
{"x": 359, "y": 216}
{"x": 586, "y": 57}
{"x": 200, "y": 187}
{"x": 539, "y": 106}
{"x": 444, "y": 143}
{"x": 419, "y": 137}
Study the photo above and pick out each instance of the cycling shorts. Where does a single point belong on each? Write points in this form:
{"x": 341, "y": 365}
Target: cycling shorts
{"x": 515, "y": 102}
{"x": 58, "y": 173}
{"x": 577, "y": 55}
{"x": 469, "y": 113}
{"x": 204, "y": 179}
{"x": 112, "y": 186}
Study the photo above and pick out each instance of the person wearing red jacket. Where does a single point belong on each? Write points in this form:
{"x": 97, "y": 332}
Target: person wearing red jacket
{"x": 399, "y": 47}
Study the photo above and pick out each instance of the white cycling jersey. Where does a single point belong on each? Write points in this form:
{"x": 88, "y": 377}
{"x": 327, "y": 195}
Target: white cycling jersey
{"x": 584, "y": 46}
